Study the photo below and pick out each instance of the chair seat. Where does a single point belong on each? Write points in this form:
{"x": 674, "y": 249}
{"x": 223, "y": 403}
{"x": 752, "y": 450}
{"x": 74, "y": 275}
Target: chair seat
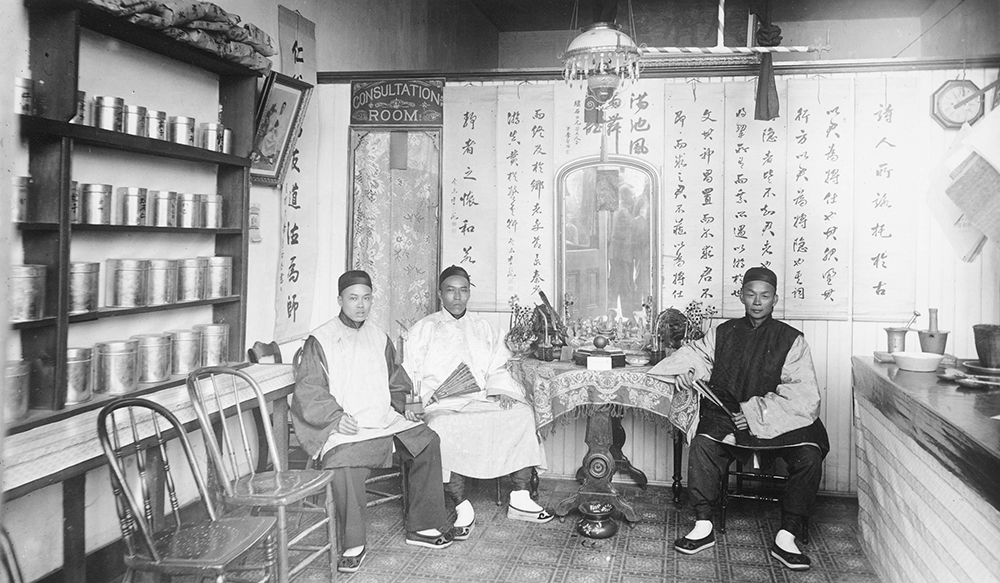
{"x": 207, "y": 546}
{"x": 278, "y": 488}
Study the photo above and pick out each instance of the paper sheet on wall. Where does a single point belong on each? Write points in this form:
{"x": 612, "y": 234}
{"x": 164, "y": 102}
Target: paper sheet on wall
{"x": 525, "y": 172}
{"x": 886, "y": 118}
{"x": 820, "y": 184}
{"x": 468, "y": 237}
{"x": 299, "y": 240}
{"x": 573, "y": 137}
{"x": 693, "y": 195}
{"x": 965, "y": 237}
{"x": 754, "y": 191}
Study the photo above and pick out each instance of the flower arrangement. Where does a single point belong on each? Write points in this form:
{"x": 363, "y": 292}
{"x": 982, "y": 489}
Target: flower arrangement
{"x": 521, "y": 335}
{"x": 697, "y": 315}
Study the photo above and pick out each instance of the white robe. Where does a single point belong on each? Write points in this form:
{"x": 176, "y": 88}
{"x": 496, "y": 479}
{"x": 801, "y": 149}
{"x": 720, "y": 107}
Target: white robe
{"x": 479, "y": 439}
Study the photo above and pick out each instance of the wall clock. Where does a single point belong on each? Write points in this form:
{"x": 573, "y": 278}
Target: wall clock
{"x": 943, "y": 102}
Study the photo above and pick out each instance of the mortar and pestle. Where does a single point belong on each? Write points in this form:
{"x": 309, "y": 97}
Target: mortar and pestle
{"x": 897, "y": 335}
{"x": 932, "y": 339}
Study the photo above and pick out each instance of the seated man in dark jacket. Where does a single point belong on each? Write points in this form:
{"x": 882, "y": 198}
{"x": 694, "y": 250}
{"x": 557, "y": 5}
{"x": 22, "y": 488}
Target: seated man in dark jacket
{"x": 349, "y": 395}
{"x": 762, "y": 372}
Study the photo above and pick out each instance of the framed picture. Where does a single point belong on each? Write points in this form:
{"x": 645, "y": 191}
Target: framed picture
{"x": 279, "y": 116}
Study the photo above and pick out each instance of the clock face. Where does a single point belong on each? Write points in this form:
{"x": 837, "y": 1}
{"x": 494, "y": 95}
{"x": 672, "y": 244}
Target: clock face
{"x": 945, "y": 108}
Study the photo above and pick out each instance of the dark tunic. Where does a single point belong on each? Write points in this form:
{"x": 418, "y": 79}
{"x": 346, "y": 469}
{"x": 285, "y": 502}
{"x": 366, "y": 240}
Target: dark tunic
{"x": 748, "y": 363}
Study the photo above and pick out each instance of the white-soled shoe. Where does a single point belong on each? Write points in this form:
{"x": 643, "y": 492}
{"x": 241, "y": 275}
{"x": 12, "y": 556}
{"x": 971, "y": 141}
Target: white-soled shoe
{"x": 537, "y": 516}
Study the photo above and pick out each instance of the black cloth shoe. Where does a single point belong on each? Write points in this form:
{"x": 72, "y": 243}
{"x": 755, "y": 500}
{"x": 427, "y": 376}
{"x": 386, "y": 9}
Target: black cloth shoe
{"x": 690, "y": 546}
{"x": 794, "y": 561}
{"x": 441, "y": 541}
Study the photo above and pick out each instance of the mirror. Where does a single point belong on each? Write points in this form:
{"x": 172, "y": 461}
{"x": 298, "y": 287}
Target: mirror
{"x": 607, "y": 243}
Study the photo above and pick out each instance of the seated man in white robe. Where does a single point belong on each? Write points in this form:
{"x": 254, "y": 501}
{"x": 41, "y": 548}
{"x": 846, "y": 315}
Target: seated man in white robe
{"x": 348, "y": 395}
{"x": 486, "y": 425}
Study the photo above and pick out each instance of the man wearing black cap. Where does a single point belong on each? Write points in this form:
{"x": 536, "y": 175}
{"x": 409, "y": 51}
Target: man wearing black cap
{"x": 486, "y": 425}
{"x": 762, "y": 371}
{"x": 347, "y": 405}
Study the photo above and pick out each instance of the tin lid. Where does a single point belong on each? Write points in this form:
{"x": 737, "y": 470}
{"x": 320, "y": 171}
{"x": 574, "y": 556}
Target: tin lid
{"x": 27, "y": 270}
{"x": 198, "y": 262}
{"x": 16, "y": 368}
{"x": 79, "y": 354}
{"x": 20, "y": 181}
{"x": 162, "y": 264}
{"x": 180, "y": 119}
{"x": 156, "y": 114}
{"x": 213, "y": 329}
{"x": 163, "y": 194}
{"x": 212, "y": 198}
{"x": 117, "y": 347}
{"x": 108, "y": 101}
{"x": 184, "y": 335}
{"x": 212, "y": 126}
{"x": 136, "y": 109}
{"x": 84, "y": 266}
{"x": 128, "y": 264}
{"x": 131, "y": 191}
{"x": 95, "y": 187}
{"x": 188, "y": 197}
{"x": 152, "y": 339}
{"x": 218, "y": 261}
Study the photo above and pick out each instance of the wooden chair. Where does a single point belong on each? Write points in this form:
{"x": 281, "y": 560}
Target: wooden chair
{"x": 764, "y": 474}
{"x": 134, "y": 435}
{"x": 279, "y": 489}
{"x": 9, "y": 567}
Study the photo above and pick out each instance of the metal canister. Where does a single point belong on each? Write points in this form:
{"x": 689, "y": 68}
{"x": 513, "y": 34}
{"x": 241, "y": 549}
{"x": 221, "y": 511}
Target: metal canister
{"x": 214, "y": 344}
{"x": 211, "y": 210}
{"x": 227, "y": 141}
{"x": 181, "y": 129}
{"x": 189, "y": 210}
{"x": 117, "y": 367}
{"x": 191, "y": 279}
{"x": 16, "y": 388}
{"x": 75, "y": 209}
{"x": 108, "y": 112}
{"x": 84, "y": 283}
{"x": 156, "y": 124}
{"x": 135, "y": 120}
{"x": 79, "y": 375}
{"x": 161, "y": 285}
{"x": 126, "y": 283}
{"x": 154, "y": 357}
{"x": 211, "y": 136}
{"x": 218, "y": 277}
{"x": 185, "y": 349}
{"x": 130, "y": 206}
{"x": 81, "y": 109}
{"x": 161, "y": 208}
{"x": 23, "y": 91}
{"x": 26, "y": 292}
{"x": 95, "y": 208}
{"x": 19, "y": 208}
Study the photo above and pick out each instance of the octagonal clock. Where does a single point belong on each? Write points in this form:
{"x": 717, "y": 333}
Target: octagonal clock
{"x": 944, "y": 108}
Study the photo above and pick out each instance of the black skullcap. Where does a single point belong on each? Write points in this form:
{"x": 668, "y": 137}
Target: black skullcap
{"x": 453, "y": 270}
{"x": 761, "y": 274}
{"x": 353, "y": 277}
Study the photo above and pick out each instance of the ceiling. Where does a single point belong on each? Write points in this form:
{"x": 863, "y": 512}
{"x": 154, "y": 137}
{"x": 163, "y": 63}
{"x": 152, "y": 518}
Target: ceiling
{"x": 535, "y": 15}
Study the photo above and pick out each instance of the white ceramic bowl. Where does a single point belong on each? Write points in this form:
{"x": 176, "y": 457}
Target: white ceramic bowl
{"x": 917, "y": 361}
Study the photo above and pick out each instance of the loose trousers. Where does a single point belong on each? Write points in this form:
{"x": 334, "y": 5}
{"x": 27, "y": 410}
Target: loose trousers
{"x": 456, "y": 486}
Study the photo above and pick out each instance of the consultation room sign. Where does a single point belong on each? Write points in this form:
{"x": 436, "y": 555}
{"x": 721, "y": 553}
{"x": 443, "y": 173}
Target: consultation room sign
{"x": 397, "y": 102}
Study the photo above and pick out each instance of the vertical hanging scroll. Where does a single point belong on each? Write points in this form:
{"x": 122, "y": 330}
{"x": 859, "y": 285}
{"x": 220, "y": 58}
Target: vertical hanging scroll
{"x": 884, "y": 230}
{"x": 524, "y": 165}
{"x": 468, "y": 236}
{"x": 820, "y": 186}
{"x": 573, "y": 137}
{"x": 693, "y": 185}
{"x": 755, "y": 192}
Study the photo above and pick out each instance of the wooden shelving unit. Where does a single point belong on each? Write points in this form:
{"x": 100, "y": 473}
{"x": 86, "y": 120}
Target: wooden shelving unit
{"x": 47, "y": 234}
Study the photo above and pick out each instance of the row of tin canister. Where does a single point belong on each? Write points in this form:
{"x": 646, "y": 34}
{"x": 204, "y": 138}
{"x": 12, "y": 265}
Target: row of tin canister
{"x": 95, "y": 204}
{"x": 112, "y": 113}
{"x": 117, "y": 367}
{"x": 130, "y": 283}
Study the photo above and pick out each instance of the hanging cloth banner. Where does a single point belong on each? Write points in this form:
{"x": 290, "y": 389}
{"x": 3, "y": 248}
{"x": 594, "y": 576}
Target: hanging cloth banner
{"x": 299, "y": 239}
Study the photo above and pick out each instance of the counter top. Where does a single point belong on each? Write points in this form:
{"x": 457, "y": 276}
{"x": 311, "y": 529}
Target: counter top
{"x": 950, "y": 422}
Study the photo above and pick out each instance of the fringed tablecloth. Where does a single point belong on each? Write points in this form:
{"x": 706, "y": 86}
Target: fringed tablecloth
{"x": 563, "y": 391}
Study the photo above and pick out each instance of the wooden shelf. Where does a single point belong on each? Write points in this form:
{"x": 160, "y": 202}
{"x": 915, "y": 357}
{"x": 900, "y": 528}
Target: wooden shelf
{"x": 147, "y": 229}
{"x": 37, "y": 226}
{"x": 33, "y": 324}
{"x": 91, "y": 136}
{"x": 104, "y": 313}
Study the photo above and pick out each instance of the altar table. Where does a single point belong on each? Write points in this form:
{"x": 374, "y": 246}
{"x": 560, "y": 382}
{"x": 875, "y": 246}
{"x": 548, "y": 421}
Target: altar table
{"x": 558, "y": 388}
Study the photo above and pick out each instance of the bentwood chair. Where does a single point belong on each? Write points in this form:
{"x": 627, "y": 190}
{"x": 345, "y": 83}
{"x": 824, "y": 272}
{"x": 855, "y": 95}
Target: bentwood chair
{"x": 282, "y": 490}
{"x": 764, "y": 473}
{"x": 134, "y": 435}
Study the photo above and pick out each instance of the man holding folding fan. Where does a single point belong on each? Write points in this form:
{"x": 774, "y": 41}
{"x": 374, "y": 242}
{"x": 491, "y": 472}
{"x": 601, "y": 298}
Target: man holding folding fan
{"x": 759, "y": 392}
{"x": 457, "y": 360}
{"x": 348, "y": 406}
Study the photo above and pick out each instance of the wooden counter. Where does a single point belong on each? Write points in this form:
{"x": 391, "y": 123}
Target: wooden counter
{"x": 928, "y": 475}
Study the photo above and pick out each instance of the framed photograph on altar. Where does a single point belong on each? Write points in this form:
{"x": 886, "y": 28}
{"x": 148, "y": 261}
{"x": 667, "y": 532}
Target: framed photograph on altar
{"x": 279, "y": 116}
